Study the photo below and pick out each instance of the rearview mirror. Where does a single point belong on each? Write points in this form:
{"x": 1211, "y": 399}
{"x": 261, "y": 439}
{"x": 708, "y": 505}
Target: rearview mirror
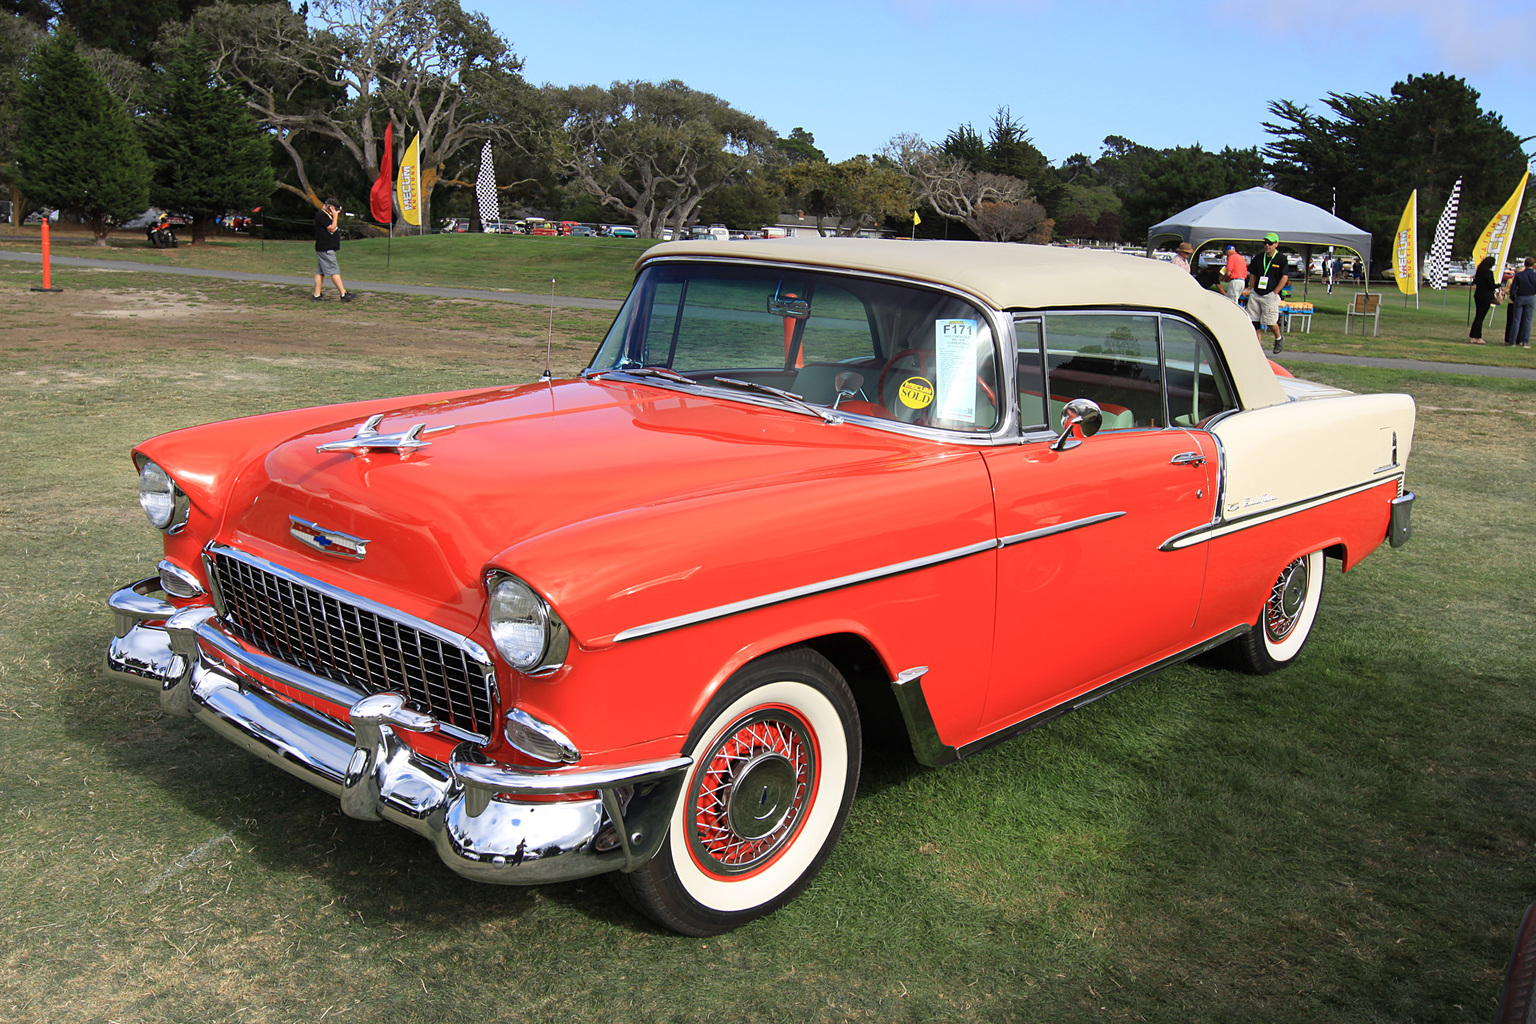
{"x": 788, "y": 304}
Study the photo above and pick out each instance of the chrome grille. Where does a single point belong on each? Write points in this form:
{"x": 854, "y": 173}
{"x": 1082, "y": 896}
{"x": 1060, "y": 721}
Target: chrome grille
{"x": 326, "y": 635}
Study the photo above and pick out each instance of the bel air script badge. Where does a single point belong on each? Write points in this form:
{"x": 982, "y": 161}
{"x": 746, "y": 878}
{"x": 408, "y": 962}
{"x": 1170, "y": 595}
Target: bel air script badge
{"x": 332, "y": 542}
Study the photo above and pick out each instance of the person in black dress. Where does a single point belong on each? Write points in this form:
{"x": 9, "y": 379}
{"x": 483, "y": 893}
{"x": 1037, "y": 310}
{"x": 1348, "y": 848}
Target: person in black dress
{"x": 1483, "y": 287}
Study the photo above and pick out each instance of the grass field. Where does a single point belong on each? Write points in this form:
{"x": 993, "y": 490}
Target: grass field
{"x": 1350, "y": 840}
{"x": 588, "y": 267}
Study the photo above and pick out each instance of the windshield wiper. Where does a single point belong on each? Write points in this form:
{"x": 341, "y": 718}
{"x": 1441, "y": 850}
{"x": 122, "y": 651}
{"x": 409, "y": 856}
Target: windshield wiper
{"x": 788, "y": 396}
{"x": 650, "y": 371}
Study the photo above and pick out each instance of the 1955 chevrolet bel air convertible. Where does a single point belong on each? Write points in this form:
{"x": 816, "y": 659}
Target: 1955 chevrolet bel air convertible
{"x": 632, "y": 622}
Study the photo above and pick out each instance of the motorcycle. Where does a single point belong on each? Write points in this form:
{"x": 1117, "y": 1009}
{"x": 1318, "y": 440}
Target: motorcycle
{"x": 161, "y": 235}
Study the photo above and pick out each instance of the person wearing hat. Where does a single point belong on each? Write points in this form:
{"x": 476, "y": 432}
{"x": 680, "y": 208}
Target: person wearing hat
{"x": 1181, "y": 256}
{"x": 1266, "y": 276}
{"x": 1236, "y": 273}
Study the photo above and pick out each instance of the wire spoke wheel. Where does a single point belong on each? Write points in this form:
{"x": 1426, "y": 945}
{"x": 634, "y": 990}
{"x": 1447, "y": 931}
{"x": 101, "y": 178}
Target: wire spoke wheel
{"x": 1285, "y": 623}
{"x": 752, "y": 794}
{"x": 775, "y": 765}
{"x": 1286, "y": 601}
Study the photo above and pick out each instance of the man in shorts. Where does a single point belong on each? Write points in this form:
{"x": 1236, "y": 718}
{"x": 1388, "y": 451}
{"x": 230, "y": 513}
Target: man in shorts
{"x": 1266, "y": 276}
{"x": 327, "y": 242}
{"x": 1235, "y": 274}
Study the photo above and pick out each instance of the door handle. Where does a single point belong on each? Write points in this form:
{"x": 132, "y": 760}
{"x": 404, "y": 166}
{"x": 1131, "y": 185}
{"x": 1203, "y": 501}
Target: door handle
{"x": 1188, "y": 459}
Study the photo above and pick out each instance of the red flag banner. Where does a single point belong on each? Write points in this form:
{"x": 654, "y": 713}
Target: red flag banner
{"x": 381, "y": 198}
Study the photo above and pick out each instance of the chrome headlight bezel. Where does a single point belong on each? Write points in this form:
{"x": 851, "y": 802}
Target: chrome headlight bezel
{"x": 156, "y": 483}
{"x": 528, "y": 658}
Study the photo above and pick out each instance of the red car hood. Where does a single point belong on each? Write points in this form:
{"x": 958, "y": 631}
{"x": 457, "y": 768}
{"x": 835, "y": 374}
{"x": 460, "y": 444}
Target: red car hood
{"x": 509, "y": 466}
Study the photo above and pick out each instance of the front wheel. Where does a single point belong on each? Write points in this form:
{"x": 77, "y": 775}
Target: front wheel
{"x": 775, "y": 765}
{"x": 1285, "y": 624}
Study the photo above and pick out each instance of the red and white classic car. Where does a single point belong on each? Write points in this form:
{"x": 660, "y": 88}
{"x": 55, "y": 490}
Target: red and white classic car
{"x": 632, "y": 622}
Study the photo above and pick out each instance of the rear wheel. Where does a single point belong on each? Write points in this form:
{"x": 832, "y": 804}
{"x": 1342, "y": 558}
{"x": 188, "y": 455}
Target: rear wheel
{"x": 775, "y": 765}
{"x": 1285, "y": 624}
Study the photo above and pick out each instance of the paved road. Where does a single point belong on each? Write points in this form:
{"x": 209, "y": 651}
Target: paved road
{"x": 521, "y": 298}
{"x": 526, "y": 299}
{"x": 1470, "y": 369}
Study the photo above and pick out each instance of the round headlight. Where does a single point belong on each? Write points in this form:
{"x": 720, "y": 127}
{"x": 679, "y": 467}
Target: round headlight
{"x": 157, "y": 495}
{"x": 519, "y": 623}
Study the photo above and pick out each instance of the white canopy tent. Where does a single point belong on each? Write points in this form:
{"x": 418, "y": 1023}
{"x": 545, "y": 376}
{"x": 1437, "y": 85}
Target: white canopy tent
{"x": 1249, "y": 215}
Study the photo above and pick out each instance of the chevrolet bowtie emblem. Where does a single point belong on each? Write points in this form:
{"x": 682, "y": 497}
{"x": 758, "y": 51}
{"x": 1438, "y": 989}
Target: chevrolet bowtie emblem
{"x": 368, "y": 438}
{"x": 332, "y": 542}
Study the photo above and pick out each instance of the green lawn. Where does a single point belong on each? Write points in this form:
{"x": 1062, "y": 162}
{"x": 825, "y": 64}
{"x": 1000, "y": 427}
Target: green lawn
{"x": 585, "y": 267}
{"x": 1351, "y": 840}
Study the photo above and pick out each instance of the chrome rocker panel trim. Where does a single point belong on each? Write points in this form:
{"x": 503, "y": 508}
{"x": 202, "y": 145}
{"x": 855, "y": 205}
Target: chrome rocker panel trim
{"x": 467, "y": 808}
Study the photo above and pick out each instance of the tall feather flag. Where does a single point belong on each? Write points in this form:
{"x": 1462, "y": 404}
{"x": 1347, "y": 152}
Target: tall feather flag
{"x": 1405, "y": 248}
{"x": 381, "y": 198}
{"x": 1440, "y": 252}
{"x": 1499, "y": 235}
{"x": 408, "y": 188}
{"x": 485, "y": 188}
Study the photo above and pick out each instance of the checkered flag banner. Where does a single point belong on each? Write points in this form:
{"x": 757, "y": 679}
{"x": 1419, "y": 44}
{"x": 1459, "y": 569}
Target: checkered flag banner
{"x": 485, "y": 188}
{"x": 1440, "y": 252}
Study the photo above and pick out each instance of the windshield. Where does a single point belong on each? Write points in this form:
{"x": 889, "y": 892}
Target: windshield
{"x": 874, "y": 348}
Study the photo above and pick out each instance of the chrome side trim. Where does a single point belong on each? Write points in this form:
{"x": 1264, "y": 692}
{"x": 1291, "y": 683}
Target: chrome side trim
{"x": 1084, "y": 699}
{"x": 447, "y": 636}
{"x": 1222, "y": 528}
{"x": 1049, "y": 531}
{"x": 752, "y": 603}
{"x": 927, "y": 747}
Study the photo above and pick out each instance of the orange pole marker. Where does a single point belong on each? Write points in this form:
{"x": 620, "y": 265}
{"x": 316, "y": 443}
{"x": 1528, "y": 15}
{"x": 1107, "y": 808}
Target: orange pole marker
{"x": 47, "y": 264}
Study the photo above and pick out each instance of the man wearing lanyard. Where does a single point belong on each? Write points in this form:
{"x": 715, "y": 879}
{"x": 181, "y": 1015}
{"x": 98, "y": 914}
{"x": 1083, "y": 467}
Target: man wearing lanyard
{"x": 1266, "y": 276}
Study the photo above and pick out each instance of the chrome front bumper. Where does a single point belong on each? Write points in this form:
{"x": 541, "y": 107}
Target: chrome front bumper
{"x": 468, "y": 808}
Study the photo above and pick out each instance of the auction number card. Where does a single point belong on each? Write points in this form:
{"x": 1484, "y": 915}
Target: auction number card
{"x": 955, "y": 352}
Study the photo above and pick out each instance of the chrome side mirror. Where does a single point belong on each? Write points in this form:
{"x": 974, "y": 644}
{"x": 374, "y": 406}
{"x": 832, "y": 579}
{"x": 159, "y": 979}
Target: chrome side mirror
{"x": 847, "y": 384}
{"x": 1085, "y": 415}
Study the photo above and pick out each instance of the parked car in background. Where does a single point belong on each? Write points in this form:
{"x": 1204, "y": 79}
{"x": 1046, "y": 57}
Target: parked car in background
{"x": 643, "y": 622}
{"x": 583, "y": 231}
{"x": 619, "y": 231}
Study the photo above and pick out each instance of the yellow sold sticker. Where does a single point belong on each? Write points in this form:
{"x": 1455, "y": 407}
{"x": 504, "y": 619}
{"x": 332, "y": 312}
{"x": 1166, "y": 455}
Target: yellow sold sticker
{"x": 916, "y": 393}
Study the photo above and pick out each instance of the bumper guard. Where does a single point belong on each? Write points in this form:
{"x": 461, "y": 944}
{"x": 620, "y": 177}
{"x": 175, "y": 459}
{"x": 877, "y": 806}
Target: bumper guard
{"x": 468, "y": 808}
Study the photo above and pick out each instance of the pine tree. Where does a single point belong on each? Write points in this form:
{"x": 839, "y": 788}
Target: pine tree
{"x": 78, "y": 149}
{"x": 209, "y": 156}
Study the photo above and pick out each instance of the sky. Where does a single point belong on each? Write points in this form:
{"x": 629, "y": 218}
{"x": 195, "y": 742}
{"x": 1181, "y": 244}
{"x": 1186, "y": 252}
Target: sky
{"x": 855, "y": 73}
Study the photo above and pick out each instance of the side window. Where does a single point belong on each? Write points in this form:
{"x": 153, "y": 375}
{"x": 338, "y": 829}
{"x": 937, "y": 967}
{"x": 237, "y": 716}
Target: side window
{"x": 1110, "y": 358}
{"x": 1197, "y": 389}
{"x": 1033, "y": 411}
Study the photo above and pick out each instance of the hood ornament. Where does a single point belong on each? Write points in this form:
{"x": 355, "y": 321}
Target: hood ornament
{"x": 368, "y": 438}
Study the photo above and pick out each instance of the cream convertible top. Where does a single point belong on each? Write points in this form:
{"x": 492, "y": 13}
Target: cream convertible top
{"x": 1010, "y": 276}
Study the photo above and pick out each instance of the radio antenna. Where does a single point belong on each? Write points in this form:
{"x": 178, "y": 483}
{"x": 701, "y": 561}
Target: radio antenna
{"x": 549, "y": 343}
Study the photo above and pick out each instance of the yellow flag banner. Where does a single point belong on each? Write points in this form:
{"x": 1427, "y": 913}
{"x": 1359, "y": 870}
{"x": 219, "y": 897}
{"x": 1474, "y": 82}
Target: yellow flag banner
{"x": 408, "y": 187}
{"x": 1500, "y": 232}
{"x": 1405, "y": 247}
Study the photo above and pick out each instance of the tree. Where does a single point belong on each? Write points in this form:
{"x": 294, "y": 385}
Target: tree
{"x": 424, "y": 65}
{"x": 1013, "y": 222}
{"x": 18, "y": 38}
{"x": 652, "y": 152}
{"x": 209, "y": 156}
{"x": 78, "y": 147}
{"x": 799, "y": 146}
{"x": 1428, "y": 133}
{"x": 1007, "y": 151}
{"x": 855, "y": 194}
{"x": 1174, "y": 179}
{"x": 952, "y": 187}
